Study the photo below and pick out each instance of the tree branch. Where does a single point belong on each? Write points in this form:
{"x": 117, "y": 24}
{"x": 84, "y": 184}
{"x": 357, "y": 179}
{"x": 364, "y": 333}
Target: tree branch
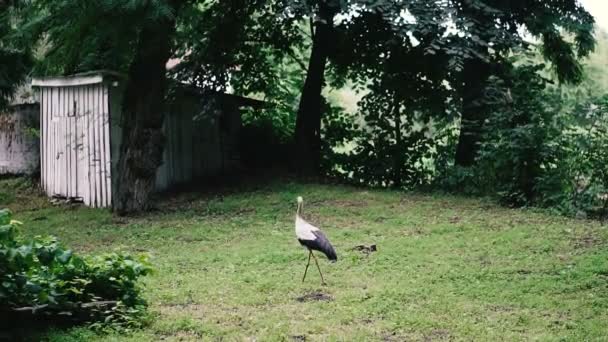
{"x": 35, "y": 308}
{"x": 302, "y": 65}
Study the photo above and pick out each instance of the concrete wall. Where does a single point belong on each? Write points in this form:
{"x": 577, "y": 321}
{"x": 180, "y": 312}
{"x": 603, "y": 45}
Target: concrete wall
{"x": 19, "y": 144}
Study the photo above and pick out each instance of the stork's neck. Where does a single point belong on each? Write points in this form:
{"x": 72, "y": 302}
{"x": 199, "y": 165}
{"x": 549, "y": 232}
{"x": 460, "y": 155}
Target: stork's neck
{"x": 299, "y": 210}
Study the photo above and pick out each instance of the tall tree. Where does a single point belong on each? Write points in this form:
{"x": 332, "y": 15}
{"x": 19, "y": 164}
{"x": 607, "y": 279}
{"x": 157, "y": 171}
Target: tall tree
{"x": 308, "y": 122}
{"x": 387, "y": 52}
{"x": 488, "y": 30}
{"x": 15, "y": 60}
{"x": 133, "y": 37}
{"x": 274, "y": 28}
{"x": 143, "y": 112}
{"x": 245, "y": 41}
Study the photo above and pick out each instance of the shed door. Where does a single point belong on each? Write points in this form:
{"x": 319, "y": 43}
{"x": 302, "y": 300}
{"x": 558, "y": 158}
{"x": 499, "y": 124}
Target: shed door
{"x": 66, "y": 146}
{"x": 76, "y": 143}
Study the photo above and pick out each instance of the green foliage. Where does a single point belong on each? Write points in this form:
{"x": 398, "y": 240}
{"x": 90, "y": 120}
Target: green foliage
{"x": 542, "y": 145}
{"x": 339, "y": 130}
{"x": 12, "y": 186}
{"x": 282, "y": 96}
{"x": 418, "y": 62}
{"x": 396, "y": 136}
{"x": 388, "y": 151}
{"x": 240, "y": 43}
{"x": 486, "y": 26}
{"x": 15, "y": 62}
{"x": 520, "y": 144}
{"x": 43, "y": 275}
{"x": 80, "y": 36}
{"x": 589, "y": 157}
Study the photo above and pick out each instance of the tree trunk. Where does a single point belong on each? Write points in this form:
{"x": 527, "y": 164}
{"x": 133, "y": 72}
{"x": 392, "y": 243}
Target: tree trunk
{"x": 143, "y": 114}
{"x": 398, "y": 151}
{"x": 308, "y": 123}
{"x": 476, "y": 73}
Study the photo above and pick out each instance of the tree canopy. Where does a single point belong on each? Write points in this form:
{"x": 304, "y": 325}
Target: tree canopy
{"x": 427, "y": 67}
{"x": 15, "y": 61}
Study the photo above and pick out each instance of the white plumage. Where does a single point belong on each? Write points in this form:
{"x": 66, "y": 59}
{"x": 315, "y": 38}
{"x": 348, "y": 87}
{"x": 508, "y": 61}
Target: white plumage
{"x": 304, "y": 230}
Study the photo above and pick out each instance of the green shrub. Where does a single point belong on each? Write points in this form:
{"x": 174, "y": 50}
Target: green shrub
{"x": 538, "y": 149}
{"x": 589, "y": 157}
{"x": 42, "y": 277}
{"x": 6, "y": 198}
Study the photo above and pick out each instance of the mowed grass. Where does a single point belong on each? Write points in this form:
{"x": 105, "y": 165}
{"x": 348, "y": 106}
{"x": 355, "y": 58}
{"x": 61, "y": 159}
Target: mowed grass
{"x": 228, "y": 267}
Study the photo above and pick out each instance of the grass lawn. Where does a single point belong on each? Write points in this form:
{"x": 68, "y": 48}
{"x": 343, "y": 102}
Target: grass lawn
{"x": 228, "y": 267}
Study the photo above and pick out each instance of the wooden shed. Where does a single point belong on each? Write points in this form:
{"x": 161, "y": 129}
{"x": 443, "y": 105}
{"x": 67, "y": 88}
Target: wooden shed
{"x": 19, "y": 147}
{"x": 81, "y": 134}
{"x": 203, "y": 131}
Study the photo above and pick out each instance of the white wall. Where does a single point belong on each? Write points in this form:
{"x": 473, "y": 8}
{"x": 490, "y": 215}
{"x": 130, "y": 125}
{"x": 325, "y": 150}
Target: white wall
{"x": 19, "y": 146}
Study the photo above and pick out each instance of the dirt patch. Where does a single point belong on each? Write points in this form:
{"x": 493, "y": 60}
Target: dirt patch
{"x": 193, "y": 310}
{"x": 438, "y": 335}
{"x": 400, "y": 337}
{"x": 182, "y": 336}
{"x": 120, "y": 221}
{"x": 588, "y": 241}
{"x": 298, "y": 338}
{"x": 190, "y": 239}
{"x": 414, "y": 231}
{"x": 454, "y": 219}
{"x": 315, "y": 297}
{"x": 500, "y": 308}
{"x": 390, "y": 337}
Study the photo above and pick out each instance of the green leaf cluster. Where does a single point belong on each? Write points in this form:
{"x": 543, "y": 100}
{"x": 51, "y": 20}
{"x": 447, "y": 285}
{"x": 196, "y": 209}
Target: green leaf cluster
{"x": 538, "y": 147}
{"x": 43, "y": 277}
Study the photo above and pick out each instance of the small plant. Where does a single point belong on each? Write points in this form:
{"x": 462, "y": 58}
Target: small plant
{"x": 40, "y": 277}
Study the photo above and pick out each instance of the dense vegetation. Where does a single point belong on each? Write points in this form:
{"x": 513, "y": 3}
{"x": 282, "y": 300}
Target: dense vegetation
{"x": 441, "y": 84}
{"x": 40, "y": 277}
{"x": 505, "y": 99}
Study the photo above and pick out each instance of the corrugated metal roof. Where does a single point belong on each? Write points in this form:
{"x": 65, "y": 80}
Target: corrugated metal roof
{"x": 85, "y": 78}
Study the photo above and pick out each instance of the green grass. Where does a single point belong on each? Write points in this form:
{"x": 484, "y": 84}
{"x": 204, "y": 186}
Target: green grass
{"x": 228, "y": 267}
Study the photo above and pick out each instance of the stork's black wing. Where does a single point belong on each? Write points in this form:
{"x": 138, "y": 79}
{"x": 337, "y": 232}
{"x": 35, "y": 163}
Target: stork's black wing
{"x": 322, "y": 244}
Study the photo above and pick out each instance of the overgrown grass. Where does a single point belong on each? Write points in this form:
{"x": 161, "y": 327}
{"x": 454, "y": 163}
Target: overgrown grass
{"x": 447, "y": 268}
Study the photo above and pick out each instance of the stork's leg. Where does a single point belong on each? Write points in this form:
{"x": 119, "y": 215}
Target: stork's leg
{"x": 319, "y": 268}
{"x": 306, "y": 270}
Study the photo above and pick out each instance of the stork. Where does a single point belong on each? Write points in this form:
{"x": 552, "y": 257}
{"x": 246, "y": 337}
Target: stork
{"x": 312, "y": 238}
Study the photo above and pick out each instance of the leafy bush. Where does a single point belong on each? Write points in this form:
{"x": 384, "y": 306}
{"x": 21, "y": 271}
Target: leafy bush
{"x": 538, "y": 148}
{"x": 520, "y": 154}
{"x": 392, "y": 143}
{"x": 338, "y": 132}
{"x": 589, "y": 157}
{"x": 41, "y": 277}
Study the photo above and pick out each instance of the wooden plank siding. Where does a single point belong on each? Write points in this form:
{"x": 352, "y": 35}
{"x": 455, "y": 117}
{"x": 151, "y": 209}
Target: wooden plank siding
{"x": 81, "y": 137}
{"x": 196, "y": 146}
{"x": 75, "y": 139}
